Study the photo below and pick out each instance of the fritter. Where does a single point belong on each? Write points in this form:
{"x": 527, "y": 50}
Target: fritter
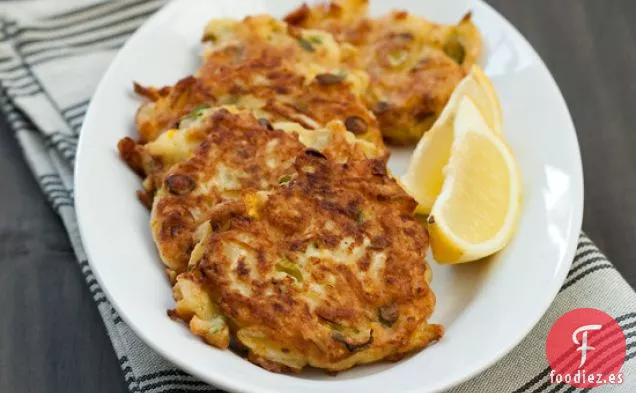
{"x": 327, "y": 270}
{"x": 271, "y": 205}
{"x": 151, "y": 160}
{"x": 280, "y": 73}
{"x": 262, "y": 36}
{"x": 202, "y": 170}
{"x": 413, "y": 64}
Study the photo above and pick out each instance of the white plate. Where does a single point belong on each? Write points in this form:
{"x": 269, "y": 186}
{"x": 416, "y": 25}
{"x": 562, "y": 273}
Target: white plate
{"x": 487, "y": 308}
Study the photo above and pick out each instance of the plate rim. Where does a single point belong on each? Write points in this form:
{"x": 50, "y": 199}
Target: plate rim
{"x": 218, "y": 379}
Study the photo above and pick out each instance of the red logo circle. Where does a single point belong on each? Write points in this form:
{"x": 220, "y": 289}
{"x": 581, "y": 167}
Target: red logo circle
{"x": 586, "y": 348}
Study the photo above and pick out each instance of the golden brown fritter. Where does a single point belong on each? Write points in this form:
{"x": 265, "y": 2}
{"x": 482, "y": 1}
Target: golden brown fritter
{"x": 272, "y": 208}
{"x": 168, "y": 105}
{"x": 152, "y": 159}
{"x": 280, "y": 74}
{"x": 346, "y": 20}
{"x": 261, "y": 36}
{"x": 328, "y": 270}
{"x": 223, "y": 157}
{"x": 413, "y": 64}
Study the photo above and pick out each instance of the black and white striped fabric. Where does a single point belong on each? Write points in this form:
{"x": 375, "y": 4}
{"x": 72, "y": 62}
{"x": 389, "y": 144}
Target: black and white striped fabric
{"x": 52, "y": 55}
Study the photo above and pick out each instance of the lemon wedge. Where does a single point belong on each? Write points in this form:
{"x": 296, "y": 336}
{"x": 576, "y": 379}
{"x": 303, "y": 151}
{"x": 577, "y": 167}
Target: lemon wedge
{"x": 480, "y": 89}
{"x": 477, "y": 209}
{"x": 424, "y": 177}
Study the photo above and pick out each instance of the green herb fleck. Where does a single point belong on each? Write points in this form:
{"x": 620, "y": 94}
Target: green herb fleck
{"x": 398, "y": 57}
{"x": 197, "y": 111}
{"x": 314, "y": 39}
{"x": 360, "y": 217}
{"x": 306, "y": 45}
{"x": 455, "y": 50}
{"x": 290, "y": 269}
{"x": 284, "y": 179}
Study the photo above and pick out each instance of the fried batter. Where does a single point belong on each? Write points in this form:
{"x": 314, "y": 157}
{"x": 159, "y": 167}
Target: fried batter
{"x": 280, "y": 73}
{"x": 413, "y": 64}
{"x": 151, "y": 160}
{"x": 328, "y": 272}
{"x": 271, "y": 203}
{"x": 205, "y": 168}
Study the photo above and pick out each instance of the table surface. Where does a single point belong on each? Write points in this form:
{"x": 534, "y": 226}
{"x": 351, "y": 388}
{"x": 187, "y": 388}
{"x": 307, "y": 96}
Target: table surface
{"x": 51, "y": 336}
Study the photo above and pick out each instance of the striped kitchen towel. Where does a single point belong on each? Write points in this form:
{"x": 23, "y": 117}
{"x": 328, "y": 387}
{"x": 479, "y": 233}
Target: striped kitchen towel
{"x": 52, "y": 55}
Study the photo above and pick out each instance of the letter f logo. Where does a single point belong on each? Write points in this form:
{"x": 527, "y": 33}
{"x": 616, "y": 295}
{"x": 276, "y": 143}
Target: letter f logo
{"x": 584, "y": 347}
